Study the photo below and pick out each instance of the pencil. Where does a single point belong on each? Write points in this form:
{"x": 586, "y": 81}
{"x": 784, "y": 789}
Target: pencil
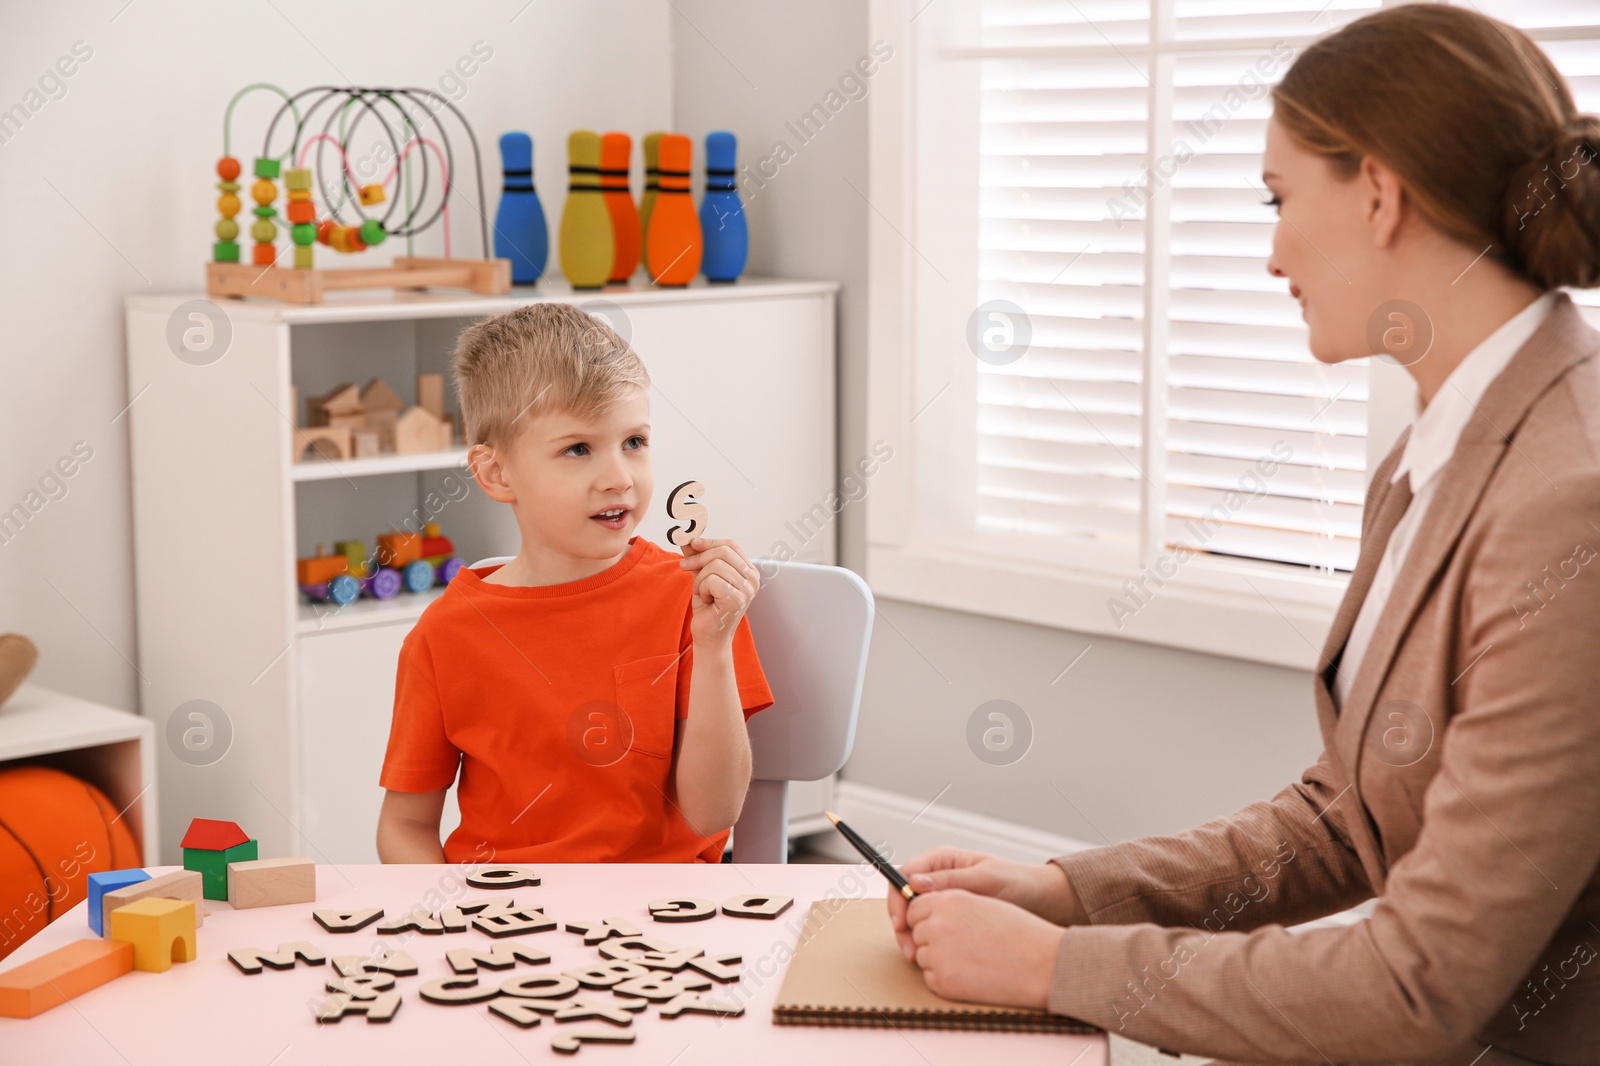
{"x": 870, "y": 853}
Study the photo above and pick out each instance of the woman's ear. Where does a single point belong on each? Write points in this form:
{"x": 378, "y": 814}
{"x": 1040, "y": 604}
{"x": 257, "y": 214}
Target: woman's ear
{"x": 490, "y": 474}
{"x": 1386, "y": 200}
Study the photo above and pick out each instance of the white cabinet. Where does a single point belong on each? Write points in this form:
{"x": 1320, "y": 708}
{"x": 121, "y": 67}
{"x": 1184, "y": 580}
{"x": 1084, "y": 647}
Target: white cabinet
{"x": 742, "y": 400}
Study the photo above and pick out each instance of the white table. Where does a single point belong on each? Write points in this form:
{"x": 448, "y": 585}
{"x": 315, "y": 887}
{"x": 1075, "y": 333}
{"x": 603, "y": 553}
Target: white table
{"x": 208, "y": 1012}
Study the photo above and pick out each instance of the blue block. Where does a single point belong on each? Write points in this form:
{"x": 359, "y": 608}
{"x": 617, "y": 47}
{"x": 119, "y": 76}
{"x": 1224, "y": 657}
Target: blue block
{"x": 110, "y": 881}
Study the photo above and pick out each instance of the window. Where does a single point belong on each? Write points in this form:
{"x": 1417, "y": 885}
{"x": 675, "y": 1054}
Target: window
{"x": 1112, "y": 421}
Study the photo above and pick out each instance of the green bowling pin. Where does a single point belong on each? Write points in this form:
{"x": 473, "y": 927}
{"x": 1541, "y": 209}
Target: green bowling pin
{"x": 586, "y": 241}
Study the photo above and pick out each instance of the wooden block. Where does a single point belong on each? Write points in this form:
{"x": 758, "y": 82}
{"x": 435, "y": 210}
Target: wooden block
{"x": 488, "y": 277}
{"x": 272, "y": 882}
{"x": 319, "y": 441}
{"x": 50, "y": 980}
{"x": 416, "y": 431}
{"x": 540, "y": 986}
{"x": 456, "y": 990}
{"x": 569, "y": 1042}
{"x": 162, "y": 931}
{"x": 683, "y": 909}
{"x": 430, "y": 397}
{"x": 364, "y": 443}
{"x": 498, "y": 957}
{"x": 692, "y": 1003}
{"x": 103, "y": 883}
{"x": 591, "y": 1008}
{"x": 516, "y": 1011}
{"x": 347, "y": 921}
{"x": 397, "y": 963}
{"x": 180, "y": 884}
{"x": 380, "y": 1008}
{"x": 612, "y": 973}
{"x": 498, "y": 876}
{"x": 757, "y": 905}
{"x": 250, "y": 960}
{"x": 594, "y": 932}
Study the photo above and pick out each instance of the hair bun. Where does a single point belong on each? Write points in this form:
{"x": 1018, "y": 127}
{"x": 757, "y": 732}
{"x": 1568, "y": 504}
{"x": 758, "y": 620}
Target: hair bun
{"x": 1552, "y": 211}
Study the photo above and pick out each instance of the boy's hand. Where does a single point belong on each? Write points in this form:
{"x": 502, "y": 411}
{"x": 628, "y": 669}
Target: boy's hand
{"x": 725, "y": 581}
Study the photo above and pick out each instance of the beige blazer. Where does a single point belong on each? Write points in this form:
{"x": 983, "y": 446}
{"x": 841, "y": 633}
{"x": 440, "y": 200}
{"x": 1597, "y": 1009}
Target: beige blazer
{"x": 1460, "y": 785}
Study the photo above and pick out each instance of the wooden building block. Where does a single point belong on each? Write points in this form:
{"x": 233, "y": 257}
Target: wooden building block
{"x": 418, "y": 431}
{"x": 430, "y": 394}
{"x": 322, "y": 442}
{"x": 50, "y": 980}
{"x": 180, "y": 884}
{"x": 364, "y": 444}
{"x": 272, "y": 882}
{"x": 100, "y": 884}
{"x": 162, "y": 931}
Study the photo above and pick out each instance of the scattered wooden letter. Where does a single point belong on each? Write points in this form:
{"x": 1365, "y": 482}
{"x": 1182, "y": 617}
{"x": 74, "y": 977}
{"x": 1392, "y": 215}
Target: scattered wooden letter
{"x": 594, "y": 932}
{"x": 250, "y": 960}
{"x": 453, "y": 990}
{"x": 568, "y": 1043}
{"x": 347, "y": 921}
{"x": 502, "y": 877}
{"x": 397, "y": 963}
{"x": 692, "y": 1003}
{"x": 612, "y": 973}
{"x": 757, "y": 905}
{"x": 421, "y": 921}
{"x": 718, "y": 967}
{"x": 516, "y": 1011}
{"x": 513, "y": 923}
{"x": 584, "y": 1008}
{"x": 682, "y": 909}
{"x": 380, "y": 1008}
{"x": 361, "y": 986}
{"x": 498, "y": 957}
{"x": 657, "y": 988}
{"x": 540, "y": 986}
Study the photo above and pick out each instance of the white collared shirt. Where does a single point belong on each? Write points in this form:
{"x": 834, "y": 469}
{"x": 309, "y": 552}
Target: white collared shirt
{"x": 1434, "y": 434}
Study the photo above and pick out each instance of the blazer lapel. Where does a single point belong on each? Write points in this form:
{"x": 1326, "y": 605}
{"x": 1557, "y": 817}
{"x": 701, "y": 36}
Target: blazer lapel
{"x": 1561, "y": 341}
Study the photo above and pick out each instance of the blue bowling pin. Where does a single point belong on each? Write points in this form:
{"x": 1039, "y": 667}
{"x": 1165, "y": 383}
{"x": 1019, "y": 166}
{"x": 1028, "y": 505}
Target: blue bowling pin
{"x": 520, "y": 233}
{"x": 722, "y": 222}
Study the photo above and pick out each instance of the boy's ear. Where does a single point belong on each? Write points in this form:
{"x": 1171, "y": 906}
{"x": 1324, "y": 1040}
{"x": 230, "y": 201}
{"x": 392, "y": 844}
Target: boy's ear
{"x": 489, "y": 473}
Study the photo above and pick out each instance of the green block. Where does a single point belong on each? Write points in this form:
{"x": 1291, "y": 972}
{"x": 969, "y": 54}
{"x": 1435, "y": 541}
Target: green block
{"x": 266, "y": 168}
{"x": 225, "y": 252}
{"x": 212, "y": 866}
{"x": 299, "y": 178}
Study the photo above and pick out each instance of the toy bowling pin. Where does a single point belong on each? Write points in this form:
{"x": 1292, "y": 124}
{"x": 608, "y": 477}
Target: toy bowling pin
{"x": 614, "y": 151}
{"x": 652, "y": 184}
{"x": 586, "y": 241}
{"x": 520, "y": 233}
{"x": 672, "y": 248}
{"x": 722, "y": 222}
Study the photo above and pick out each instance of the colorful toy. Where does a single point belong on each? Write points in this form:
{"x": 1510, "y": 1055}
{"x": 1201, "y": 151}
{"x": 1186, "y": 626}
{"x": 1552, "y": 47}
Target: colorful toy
{"x": 652, "y": 184}
{"x": 615, "y": 149}
{"x": 162, "y": 931}
{"x": 67, "y": 972}
{"x": 722, "y": 221}
{"x": 272, "y": 882}
{"x": 412, "y": 122}
{"x": 415, "y": 562}
{"x": 587, "y": 245}
{"x": 673, "y": 245}
{"x": 180, "y": 884}
{"x": 102, "y": 883}
{"x": 208, "y": 847}
{"x": 520, "y": 231}
{"x": 349, "y": 422}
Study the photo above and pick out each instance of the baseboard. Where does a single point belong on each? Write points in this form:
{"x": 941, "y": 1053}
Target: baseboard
{"x": 910, "y": 827}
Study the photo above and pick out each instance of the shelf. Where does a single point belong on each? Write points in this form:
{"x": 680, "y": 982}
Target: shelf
{"x": 37, "y": 721}
{"x": 314, "y": 618}
{"x": 331, "y": 469}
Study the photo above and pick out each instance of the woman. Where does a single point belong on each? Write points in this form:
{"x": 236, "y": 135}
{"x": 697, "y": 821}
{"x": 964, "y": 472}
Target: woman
{"x": 1436, "y": 188}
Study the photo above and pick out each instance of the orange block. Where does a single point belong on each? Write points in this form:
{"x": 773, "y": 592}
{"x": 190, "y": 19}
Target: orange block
{"x": 51, "y": 980}
{"x": 398, "y": 549}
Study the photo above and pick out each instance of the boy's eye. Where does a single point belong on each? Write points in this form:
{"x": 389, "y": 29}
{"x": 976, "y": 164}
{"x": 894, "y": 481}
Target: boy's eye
{"x": 576, "y": 449}
{"x": 635, "y": 442}
{"x": 1273, "y": 203}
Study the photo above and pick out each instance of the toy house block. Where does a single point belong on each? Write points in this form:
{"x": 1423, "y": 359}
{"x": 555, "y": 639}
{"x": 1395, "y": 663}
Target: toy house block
{"x": 364, "y": 443}
{"x": 209, "y": 846}
{"x": 102, "y": 883}
{"x": 324, "y": 442}
{"x": 272, "y": 882}
{"x": 419, "y": 430}
{"x": 180, "y": 884}
{"x": 160, "y": 930}
{"x": 381, "y": 406}
{"x": 52, "y": 979}
{"x": 430, "y": 394}
{"x": 340, "y": 406}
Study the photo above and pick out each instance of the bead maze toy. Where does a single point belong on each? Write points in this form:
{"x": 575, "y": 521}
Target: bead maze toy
{"x": 407, "y": 122}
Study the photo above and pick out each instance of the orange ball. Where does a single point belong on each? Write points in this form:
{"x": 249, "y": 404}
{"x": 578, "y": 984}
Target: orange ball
{"x": 227, "y": 168}
{"x": 264, "y": 191}
{"x": 264, "y": 255}
{"x": 227, "y": 205}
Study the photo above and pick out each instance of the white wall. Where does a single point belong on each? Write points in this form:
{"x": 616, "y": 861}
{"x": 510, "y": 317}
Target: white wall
{"x": 108, "y": 190}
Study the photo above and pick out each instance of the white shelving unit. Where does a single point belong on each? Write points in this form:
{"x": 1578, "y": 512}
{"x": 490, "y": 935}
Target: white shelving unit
{"x": 742, "y": 400}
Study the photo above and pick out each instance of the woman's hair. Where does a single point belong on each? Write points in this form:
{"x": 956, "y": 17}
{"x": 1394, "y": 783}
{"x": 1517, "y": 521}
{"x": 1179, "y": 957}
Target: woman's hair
{"x": 1474, "y": 119}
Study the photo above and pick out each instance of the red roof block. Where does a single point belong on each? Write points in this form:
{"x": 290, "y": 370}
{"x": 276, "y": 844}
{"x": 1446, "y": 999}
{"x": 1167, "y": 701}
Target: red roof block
{"x": 207, "y": 834}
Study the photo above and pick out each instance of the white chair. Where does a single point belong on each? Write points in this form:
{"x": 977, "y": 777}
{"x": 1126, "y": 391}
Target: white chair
{"x": 812, "y": 626}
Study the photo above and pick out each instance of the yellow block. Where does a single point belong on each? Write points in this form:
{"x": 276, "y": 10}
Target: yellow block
{"x": 160, "y": 930}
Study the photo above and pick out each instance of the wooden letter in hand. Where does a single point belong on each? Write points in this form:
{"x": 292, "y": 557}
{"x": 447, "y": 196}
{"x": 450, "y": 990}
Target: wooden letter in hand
{"x": 683, "y": 505}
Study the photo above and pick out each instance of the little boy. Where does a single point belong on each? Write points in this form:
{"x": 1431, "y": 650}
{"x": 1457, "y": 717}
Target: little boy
{"x": 594, "y": 689}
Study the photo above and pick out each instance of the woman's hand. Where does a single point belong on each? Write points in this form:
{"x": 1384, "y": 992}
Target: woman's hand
{"x": 1038, "y": 887}
{"x": 983, "y": 949}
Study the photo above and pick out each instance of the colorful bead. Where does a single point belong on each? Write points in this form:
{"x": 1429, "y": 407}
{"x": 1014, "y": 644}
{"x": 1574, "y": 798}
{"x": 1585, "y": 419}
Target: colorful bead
{"x": 227, "y": 168}
{"x": 264, "y": 211}
{"x": 264, "y": 255}
{"x": 372, "y": 194}
{"x": 228, "y": 186}
{"x": 339, "y": 238}
{"x": 225, "y": 252}
{"x": 228, "y": 204}
{"x": 297, "y": 179}
{"x": 266, "y": 168}
{"x": 264, "y": 231}
{"x": 263, "y": 192}
{"x": 303, "y": 234}
{"x": 372, "y": 232}
{"x": 227, "y": 229}
{"x": 301, "y": 212}
{"x": 305, "y": 257}
{"x": 325, "y": 230}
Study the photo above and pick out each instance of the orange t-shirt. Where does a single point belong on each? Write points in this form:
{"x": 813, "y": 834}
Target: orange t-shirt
{"x": 559, "y": 703}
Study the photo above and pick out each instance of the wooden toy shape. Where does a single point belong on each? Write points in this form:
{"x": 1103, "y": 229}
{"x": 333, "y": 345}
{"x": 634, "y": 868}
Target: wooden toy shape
{"x": 684, "y": 909}
{"x": 160, "y": 930}
{"x": 540, "y": 986}
{"x": 692, "y": 1003}
{"x": 594, "y": 932}
{"x": 419, "y": 430}
{"x": 380, "y": 1008}
{"x": 685, "y": 507}
{"x": 272, "y": 882}
{"x": 430, "y": 394}
{"x": 381, "y": 406}
{"x": 209, "y": 846}
{"x": 456, "y": 990}
{"x": 100, "y": 884}
{"x": 347, "y": 921}
{"x": 361, "y": 986}
{"x": 514, "y": 923}
{"x": 656, "y": 988}
{"x": 50, "y": 980}
{"x": 718, "y": 967}
{"x": 569, "y": 1042}
{"x": 589, "y": 1008}
{"x": 339, "y": 406}
{"x": 757, "y": 905}
{"x": 673, "y": 244}
{"x": 498, "y": 957}
{"x": 364, "y": 444}
{"x": 396, "y": 549}
{"x": 180, "y": 884}
{"x": 612, "y": 973}
{"x": 320, "y": 442}
{"x": 516, "y": 1011}
{"x": 496, "y": 876}
{"x": 398, "y": 963}
{"x": 421, "y": 921}
{"x": 250, "y": 960}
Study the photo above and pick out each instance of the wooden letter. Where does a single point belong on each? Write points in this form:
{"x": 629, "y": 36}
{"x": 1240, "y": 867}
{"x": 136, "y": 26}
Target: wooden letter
{"x": 513, "y": 923}
{"x": 757, "y": 905}
{"x": 250, "y": 960}
{"x": 362, "y": 986}
{"x": 605, "y": 976}
{"x": 594, "y": 932}
{"x": 398, "y": 963}
{"x": 456, "y": 990}
{"x": 421, "y": 921}
{"x": 567, "y": 1043}
{"x": 516, "y": 1011}
{"x": 690, "y": 1003}
{"x": 379, "y": 1008}
{"x": 585, "y": 1008}
{"x": 546, "y": 986}
{"x": 683, "y": 505}
{"x": 347, "y": 921}
{"x": 686, "y": 909}
{"x": 499, "y": 957}
{"x": 502, "y": 877}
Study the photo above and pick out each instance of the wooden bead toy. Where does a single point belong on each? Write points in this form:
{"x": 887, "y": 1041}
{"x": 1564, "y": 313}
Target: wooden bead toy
{"x": 615, "y": 149}
{"x": 264, "y": 192}
{"x": 162, "y": 931}
{"x": 226, "y": 250}
{"x": 673, "y": 245}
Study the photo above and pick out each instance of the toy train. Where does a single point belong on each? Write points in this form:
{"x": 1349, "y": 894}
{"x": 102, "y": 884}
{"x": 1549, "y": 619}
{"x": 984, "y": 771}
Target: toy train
{"x": 414, "y": 562}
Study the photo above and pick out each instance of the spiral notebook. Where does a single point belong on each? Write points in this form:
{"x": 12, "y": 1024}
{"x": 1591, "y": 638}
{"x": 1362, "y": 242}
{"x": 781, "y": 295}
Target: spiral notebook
{"x": 848, "y": 970}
